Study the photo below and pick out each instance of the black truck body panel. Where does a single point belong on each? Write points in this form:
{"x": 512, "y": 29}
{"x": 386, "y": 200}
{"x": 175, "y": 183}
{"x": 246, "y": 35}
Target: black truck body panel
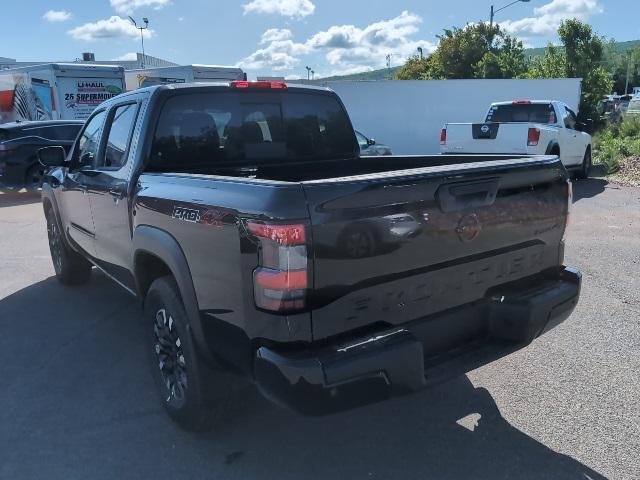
{"x": 412, "y": 263}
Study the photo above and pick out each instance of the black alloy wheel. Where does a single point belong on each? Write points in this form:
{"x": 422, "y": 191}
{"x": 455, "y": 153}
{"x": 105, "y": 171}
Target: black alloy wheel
{"x": 170, "y": 358}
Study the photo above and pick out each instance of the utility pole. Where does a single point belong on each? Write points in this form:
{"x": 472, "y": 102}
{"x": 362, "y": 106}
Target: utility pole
{"x": 626, "y": 85}
{"x": 494, "y": 11}
{"x": 146, "y": 26}
{"x": 388, "y": 57}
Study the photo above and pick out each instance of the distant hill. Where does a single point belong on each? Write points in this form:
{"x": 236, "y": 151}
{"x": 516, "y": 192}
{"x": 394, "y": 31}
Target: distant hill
{"x": 385, "y": 74}
{"x": 618, "y": 47}
{"x": 382, "y": 74}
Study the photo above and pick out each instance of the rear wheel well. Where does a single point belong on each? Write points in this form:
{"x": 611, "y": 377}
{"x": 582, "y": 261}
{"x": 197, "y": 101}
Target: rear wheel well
{"x": 149, "y": 267}
{"x": 555, "y": 150}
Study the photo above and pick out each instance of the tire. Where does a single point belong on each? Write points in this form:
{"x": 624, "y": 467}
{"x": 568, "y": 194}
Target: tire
{"x": 34, "y": 177}
{"x": 194, "y": 395}
{"x": 71, "y": 268}
{"x": 586, "y": 165}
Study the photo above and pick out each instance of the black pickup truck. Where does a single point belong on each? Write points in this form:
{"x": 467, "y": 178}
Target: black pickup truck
{"x": 265, "y": 248}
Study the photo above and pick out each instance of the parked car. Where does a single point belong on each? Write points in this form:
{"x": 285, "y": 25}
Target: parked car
{"x": 634, "y": 106}
{"x": 369, "y": 147}
{"x": 221, "y": 208}
{"x": 19, "y": 143}
{"x": 527, "y": 127}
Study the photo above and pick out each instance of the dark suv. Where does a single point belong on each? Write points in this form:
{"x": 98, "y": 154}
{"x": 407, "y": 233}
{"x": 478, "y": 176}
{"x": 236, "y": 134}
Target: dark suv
{"x": 20, "y": 142}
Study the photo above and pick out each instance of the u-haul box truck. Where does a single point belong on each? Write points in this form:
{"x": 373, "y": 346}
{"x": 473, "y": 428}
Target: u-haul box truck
{"x": 181, "y": 74}
{"x": 57, "y": 91}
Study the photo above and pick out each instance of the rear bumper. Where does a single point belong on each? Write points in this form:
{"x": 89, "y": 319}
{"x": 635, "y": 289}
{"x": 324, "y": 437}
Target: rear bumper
{"x": 367, "y": 368}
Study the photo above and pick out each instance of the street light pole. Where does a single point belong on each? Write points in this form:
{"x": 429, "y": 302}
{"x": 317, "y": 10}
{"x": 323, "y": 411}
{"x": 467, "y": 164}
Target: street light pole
{"x": 146, "y": 26}
{"x": 308, "y": 73}
{"x": 494, "y": 11}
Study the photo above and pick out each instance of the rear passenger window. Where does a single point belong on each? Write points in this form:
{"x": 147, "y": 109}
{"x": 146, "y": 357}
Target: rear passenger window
{"x": 570, "y": 119}
{"x": 123, "y": 120}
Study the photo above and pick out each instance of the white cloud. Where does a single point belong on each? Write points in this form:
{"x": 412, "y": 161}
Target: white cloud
{"x": 57, "y": 16}
{"x": 352, "y": 48}
{"x": 127, "y": 57}
{"x": 114, "y": 27}
{"x": 547, "y": 18}
{"x": 275, "y": 34}
{"x": 346, "y": 48}
{"x": 127, "y": 7}
{"x": 286, "y": 8}
{"x": 278, "y": 55}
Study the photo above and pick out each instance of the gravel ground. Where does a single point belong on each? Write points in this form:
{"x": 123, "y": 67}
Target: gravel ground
{"x": 78, "y": 400}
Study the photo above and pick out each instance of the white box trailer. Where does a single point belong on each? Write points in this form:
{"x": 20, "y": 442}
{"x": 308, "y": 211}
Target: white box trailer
{"x": 147, "y": 77}
{"x": 408, "y": 115}
{"x": 57, "y": 91}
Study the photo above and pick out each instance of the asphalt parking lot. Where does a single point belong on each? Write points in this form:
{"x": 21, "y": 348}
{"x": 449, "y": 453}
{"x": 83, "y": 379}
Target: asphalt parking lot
{"x": 77, "y": 399}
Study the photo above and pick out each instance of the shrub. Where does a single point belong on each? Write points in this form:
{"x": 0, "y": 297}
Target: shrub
{"x": 617, "y": 142}
{"x": 630, "y": 127}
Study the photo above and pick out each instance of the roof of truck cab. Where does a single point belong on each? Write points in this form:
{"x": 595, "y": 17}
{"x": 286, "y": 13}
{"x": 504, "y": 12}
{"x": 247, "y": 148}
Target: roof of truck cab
{"x": 522, "y": 102}
{"x": 205, "y": 85}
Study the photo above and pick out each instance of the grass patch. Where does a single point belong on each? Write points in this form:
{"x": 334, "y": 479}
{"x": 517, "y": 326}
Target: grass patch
{"x": 613, "y": 145}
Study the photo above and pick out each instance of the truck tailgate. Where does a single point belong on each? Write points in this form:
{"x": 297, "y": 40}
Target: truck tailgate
{"x": 486, "y": 138}
{"x": 392, "y": 247}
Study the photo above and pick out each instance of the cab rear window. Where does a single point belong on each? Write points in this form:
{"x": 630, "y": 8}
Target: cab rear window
{"x": 203, "y": 131}
{"x": 522, "y": 113}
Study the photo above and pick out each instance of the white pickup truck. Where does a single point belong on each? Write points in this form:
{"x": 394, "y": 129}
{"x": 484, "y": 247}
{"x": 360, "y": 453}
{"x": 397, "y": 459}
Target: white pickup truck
{"x": 529, "y": 127}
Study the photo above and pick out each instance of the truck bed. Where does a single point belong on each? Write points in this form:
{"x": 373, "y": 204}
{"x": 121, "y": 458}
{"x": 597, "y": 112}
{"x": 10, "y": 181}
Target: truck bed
{"x": 437, "y": 230}
{"x": 390, "y": 165}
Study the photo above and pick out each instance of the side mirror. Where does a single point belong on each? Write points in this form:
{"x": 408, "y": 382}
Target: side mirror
{"x": 585, "y": 126}
{"x": 52, "y": 156}
{"x": 371, "y": 141}
{"x": 588, "y": 125}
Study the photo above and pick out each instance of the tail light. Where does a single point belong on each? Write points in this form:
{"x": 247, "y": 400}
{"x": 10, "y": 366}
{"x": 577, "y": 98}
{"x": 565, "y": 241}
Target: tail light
{"x": 261, "y": 84}
{"x": 443, "y": 136}
{"x": 521, "y": 102}
{"x": 280, "y": 282}
{"x": 533, "y": 137}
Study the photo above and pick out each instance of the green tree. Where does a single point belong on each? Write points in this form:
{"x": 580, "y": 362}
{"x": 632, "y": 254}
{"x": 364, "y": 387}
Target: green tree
{"x": 584, "y": 53}
{"x": 620, "y": 65}
{"x": 413, "y": 69}
{"x": 475, "y": 51}
{"x": 553, "y": 64}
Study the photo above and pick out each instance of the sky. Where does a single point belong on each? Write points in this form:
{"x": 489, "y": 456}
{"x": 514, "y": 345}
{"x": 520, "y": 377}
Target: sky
{"x": 282, "y": 37}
